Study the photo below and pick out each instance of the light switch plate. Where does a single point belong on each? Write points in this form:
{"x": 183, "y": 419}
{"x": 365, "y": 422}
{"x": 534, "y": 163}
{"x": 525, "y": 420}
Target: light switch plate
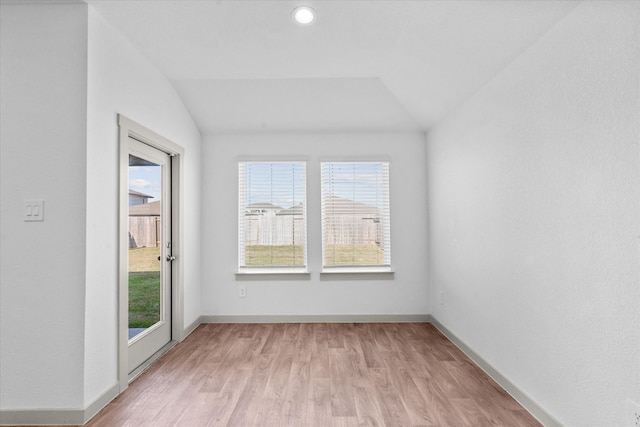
{"x": 33, "y": 210}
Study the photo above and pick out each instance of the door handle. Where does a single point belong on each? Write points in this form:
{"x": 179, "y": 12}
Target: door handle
{"x": 170, "y": 258}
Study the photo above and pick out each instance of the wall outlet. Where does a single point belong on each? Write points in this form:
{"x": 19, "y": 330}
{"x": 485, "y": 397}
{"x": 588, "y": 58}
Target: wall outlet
{"x": 633, "y": 409}
{"x": 242, "y": 291}
{"x": 441, "y": 298}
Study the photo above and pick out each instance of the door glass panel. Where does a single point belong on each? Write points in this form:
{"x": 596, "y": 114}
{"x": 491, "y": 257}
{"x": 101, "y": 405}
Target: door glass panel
{"x": 145, "y": 245}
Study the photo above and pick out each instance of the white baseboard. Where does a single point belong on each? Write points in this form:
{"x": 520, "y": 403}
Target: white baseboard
{"x": 319, "y": 318}
{"x": 521, "y": 397}
{"x": 39, "y": 417}
{"x": 192, "y": 327}
{"x": 103, "y": 400}
{"x": 58, "y": 416}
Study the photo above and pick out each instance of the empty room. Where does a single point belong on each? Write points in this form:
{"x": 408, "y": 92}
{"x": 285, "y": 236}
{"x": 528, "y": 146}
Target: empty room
{"x": 317, "y": 213}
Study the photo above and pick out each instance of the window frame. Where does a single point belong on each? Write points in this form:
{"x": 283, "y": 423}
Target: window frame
{"x": 347, "y": 270}
{"x": 292, "y": 270}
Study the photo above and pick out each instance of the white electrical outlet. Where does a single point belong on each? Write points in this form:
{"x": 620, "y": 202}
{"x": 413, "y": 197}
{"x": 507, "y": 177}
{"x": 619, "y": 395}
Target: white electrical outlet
{"x": 242, "y": 291}
{"x": 633, "y": 409}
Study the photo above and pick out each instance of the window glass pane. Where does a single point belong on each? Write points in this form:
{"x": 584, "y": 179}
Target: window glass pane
{"x": 144, "y": 266}
{"x": 272, "y": 214}
{"x": 355, "y": 214}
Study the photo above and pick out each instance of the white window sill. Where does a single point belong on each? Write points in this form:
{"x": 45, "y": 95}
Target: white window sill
{"x": 273, "y": 274}
{"x": 350, "y": 273}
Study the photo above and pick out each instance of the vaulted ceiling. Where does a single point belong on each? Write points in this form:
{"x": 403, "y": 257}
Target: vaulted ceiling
{"x": 394, "y": 65}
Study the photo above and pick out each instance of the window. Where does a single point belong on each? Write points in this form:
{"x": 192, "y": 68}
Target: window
{"x": 272, "y": 222}
{"x": 355, "y": 216}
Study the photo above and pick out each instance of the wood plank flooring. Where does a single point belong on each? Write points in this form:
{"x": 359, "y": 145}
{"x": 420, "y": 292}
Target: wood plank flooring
{"x": 396, "y": 374}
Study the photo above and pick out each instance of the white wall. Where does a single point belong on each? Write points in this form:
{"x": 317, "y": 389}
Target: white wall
{"x": 534, "y": 218}
{"x": 65, "y": 76}
{"x": 122, "y": 81}
{"x": 405, "y": 294}
{"x": 42, "y": 133}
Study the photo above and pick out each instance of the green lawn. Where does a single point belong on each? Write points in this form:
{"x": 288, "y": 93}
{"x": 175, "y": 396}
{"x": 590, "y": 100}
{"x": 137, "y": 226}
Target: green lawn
{"x": 144, "y": 259}
{"x": 144, "y": 298}
{"x": 261, "y": 256}
{"x": 342, "y": 255}
{"x": 144, "y": 287}
{"x": 336, "y": 255}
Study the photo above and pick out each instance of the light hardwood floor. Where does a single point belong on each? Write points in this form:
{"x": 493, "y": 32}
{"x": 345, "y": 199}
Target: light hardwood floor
{"x": 393, "y": 374}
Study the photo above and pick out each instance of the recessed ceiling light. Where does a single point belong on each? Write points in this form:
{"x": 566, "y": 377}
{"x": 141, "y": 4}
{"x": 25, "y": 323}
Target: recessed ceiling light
{"x": 304, "y": 15}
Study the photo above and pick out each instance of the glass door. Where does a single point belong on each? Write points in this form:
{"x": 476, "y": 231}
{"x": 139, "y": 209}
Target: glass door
{"x": 149, "y": 253}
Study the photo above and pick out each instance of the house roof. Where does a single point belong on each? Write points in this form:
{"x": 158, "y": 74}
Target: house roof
{"x": 137, "y": 193}
{"x": 336, "y": 205}
{"x": 345, "y": 206}
{"x": 269, "y": 206}
{"x": 293, "y": 210}
{"x": 146, "y": 209}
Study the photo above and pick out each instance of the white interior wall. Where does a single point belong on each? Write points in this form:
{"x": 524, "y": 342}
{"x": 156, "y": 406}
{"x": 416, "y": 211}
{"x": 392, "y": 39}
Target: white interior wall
{"x": 122, "y": 81}
{"x": 405, "y": 294}
{"x": 43, "y": 52}
{"x": 534, "y": 218}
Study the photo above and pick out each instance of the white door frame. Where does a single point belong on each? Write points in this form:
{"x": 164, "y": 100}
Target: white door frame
{"x": 131, "y": 129}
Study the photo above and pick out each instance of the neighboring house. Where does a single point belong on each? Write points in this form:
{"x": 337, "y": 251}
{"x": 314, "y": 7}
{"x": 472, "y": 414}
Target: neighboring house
{"x": 144, "y": 224}
{"x": 137, "y": 198}
{"x": 146, "y": 209}
{"x": 262, "y": 209}
{"x": 293, "y": 210}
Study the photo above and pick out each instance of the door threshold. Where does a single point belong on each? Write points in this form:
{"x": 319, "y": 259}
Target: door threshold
{"x": 147, "y": 363}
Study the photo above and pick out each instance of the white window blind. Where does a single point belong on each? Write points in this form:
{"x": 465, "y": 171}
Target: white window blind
{"x": 355, "y": 216}
{"x": 272, "y": 221}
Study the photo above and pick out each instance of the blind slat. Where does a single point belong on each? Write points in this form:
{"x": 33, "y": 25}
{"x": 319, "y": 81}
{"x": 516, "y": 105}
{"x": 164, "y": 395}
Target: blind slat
{"x": 272, "y": 214}
{"x": 355, "y": 214}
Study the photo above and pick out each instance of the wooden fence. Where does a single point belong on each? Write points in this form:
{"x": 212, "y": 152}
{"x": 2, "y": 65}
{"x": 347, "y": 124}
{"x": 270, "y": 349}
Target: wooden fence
{"x": 144, "y": 231}
{"x": 284, "y": 230}
{"x": 353, "y": 230}
{"x": 273, "y": 230}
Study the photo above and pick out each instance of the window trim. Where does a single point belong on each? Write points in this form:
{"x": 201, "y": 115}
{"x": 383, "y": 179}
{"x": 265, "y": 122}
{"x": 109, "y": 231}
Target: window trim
{"x": 259, "y": 270}
{"x": 349, "y": 271}
{"x": 272, "y": 271}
